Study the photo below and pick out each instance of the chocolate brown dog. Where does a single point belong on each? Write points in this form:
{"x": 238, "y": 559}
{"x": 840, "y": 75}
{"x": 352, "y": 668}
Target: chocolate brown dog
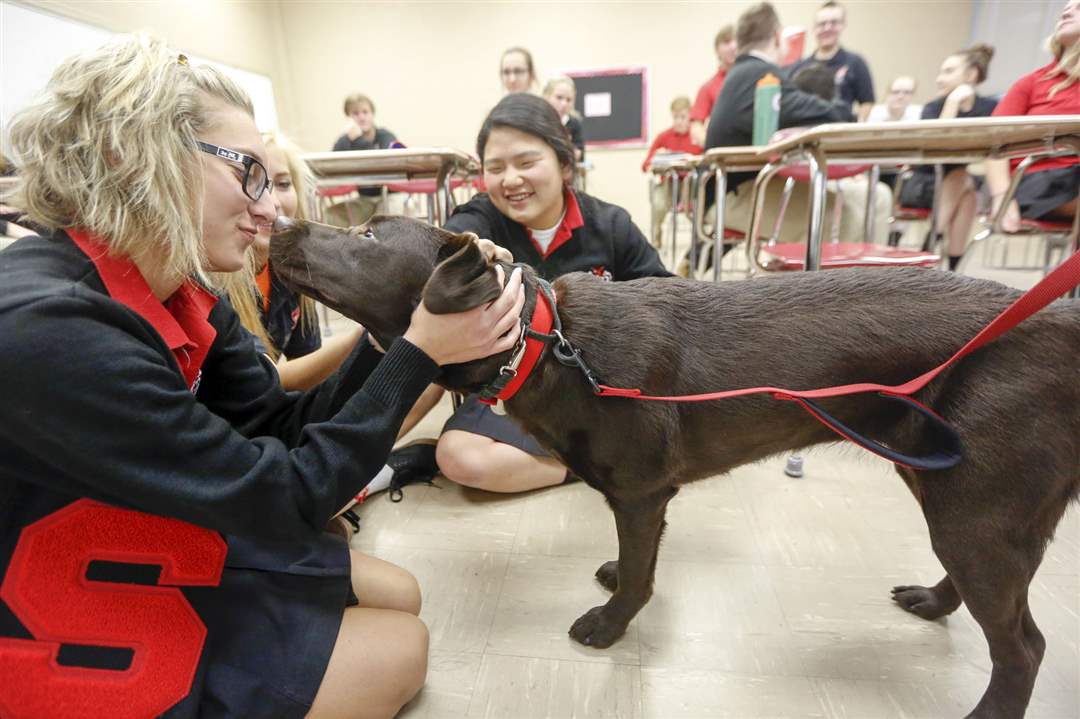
{"x": 1015, "y": 403}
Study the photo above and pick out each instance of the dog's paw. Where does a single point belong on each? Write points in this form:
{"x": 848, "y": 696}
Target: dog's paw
{"x": 594, "y": 630}
{"x": 608, "y": 575}
{"x": 920, "y": 601}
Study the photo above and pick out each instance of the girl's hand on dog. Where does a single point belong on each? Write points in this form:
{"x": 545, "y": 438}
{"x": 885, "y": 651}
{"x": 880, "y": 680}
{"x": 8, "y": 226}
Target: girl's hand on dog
{"x": 479, "y": 332}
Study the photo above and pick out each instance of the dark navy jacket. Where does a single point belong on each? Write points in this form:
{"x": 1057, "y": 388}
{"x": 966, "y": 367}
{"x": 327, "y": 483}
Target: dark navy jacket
{"x": 95, "y": 408}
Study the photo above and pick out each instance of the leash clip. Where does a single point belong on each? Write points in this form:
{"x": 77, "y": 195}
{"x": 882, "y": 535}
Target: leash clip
{"x": 567, "y": 355}
{"x": 510, "y": 368}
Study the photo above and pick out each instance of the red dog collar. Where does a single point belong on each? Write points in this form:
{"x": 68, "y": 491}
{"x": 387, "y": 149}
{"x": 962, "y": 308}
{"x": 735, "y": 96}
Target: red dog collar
{"x": 542, "y": 320}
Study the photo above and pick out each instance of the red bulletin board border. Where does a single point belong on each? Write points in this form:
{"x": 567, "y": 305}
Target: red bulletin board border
{"x": 641, "y": 70}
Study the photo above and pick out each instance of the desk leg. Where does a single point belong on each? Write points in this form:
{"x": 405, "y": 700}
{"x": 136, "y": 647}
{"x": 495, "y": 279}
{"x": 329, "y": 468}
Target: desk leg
{"x": 815, "y": 159}
{"x": 442, "y": 196}
{"x": 939, "y": 180}
{"x": 872, "y": 177}
{"x": 652, "y": 184}
{"x": 718, "y": 229}
{"x": 1075, "y": 244}
{"x": 757, "y": 206}
{"x": 672, "y": 178}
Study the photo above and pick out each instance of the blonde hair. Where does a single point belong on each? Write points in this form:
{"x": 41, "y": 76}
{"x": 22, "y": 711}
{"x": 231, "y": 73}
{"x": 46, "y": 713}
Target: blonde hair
{"x": 682, "y": 102}
{"x": 111, "y": 145}
{"x": 241, "y": 287}
{"x": 1068, "y": 63}
{"x": 554, "y": 82}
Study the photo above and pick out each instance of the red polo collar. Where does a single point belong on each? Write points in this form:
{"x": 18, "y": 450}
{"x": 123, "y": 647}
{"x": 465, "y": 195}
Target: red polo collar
{"x": 572, "y": 220}
{"x": 182, "y": 322}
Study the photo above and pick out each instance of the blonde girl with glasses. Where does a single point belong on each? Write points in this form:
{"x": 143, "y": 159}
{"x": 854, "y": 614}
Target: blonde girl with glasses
{"x": 162, "y": 498}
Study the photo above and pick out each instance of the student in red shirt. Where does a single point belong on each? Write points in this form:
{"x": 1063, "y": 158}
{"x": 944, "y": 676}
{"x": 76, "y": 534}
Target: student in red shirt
{"x": 1050, "y": 187}
{"x": 674, "y": 139}
{"x": 726, "y": 51}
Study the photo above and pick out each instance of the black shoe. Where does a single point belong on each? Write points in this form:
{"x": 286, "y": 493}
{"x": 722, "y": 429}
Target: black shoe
{"x": 350, "y": 516}
{"x": 412, "y": 464}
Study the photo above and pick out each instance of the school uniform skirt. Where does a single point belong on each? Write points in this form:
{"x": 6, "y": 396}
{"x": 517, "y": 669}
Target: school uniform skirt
{"x": 272, "y": 624}
{"x": 1042, "y": 192}
{"x": 476, "y": 417}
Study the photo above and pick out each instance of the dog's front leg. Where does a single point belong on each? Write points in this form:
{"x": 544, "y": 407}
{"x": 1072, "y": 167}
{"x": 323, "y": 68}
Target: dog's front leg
{"x": 640, "y": 524}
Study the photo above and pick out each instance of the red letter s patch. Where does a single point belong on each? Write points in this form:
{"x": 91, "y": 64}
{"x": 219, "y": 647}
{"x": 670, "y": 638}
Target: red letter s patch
{"x": 47, "y": 589}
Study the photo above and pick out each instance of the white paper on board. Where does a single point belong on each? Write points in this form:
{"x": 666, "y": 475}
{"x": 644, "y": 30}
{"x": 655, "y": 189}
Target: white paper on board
{"x": 598, "y": 104}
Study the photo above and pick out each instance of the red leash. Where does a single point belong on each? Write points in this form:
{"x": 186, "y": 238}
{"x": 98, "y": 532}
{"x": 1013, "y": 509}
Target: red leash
{"x": 1057, "y": 283}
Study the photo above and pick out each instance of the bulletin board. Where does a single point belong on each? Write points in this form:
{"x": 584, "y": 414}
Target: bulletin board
{"x": 614, "y": 106}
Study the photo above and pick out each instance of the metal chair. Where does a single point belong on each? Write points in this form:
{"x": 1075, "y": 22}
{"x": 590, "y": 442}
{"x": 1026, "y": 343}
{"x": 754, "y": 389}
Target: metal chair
{"x": 1059, "y": 238}
{"x": 789, "y": 256}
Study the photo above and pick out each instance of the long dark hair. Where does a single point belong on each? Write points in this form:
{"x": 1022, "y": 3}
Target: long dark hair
{"x": 534, "y": 116}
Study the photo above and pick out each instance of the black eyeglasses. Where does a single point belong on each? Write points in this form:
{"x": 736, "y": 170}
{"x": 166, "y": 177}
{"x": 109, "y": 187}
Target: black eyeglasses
{"x": 255, "y": 180}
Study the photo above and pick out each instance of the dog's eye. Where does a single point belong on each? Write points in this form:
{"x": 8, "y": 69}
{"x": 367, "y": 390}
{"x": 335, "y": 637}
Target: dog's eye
{"x": 369, "y": 234}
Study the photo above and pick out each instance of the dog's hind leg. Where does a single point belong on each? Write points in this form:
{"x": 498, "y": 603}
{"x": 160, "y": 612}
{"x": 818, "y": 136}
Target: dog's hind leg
{"x": 928, "y": 602}
{"x": 639, "y": 522}
{"x": 992, "y": 574}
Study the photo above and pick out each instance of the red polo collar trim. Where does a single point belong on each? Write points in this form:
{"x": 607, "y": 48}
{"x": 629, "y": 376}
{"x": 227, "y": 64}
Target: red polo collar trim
{"x": 572, "y": 220}
{"x": 542, "y": 321}
{"x": 183, "y": 322}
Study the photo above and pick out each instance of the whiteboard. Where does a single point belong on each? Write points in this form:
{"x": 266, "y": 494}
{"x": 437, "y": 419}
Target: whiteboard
{"x": 33, "y": 44}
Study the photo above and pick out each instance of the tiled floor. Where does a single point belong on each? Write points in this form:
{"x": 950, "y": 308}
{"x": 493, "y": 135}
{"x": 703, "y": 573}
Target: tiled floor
{"x": 772, "y": 599}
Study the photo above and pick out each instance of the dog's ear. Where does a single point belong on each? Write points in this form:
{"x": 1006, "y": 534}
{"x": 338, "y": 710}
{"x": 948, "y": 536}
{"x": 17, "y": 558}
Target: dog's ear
{"x": 463, "y": 280}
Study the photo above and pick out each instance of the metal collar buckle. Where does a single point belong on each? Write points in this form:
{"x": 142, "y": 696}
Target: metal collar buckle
{"x": 510, "y": 368}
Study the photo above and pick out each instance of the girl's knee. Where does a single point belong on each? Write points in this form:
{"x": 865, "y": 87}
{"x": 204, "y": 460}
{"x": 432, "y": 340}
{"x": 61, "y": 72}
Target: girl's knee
{"x": 462, "y": 462}
{"x": 408, "y": 593}
{"x": 411, "y": 658}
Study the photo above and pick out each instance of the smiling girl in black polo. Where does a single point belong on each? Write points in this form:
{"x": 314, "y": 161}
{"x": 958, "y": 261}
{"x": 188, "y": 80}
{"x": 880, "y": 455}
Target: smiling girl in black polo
{"x": 530, "y": 209}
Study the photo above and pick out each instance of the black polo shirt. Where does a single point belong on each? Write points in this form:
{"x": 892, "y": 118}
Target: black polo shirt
{"x": 854, "y": 83}
{"x": 732, "y": 119}
{"x": 595, "y": 236}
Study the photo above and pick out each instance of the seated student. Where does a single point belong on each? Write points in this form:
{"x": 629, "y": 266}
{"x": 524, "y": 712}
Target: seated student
{"x": 285, "y": 324}
{"x": 897, "y": 106}
{"x": 854, "y": 83}
{"x": 1049, "y": 188}
{"x": 561, "y": 92}
{"x": 531, "y": 210}
{"x": 360, "y": 133}
{"x": 140, "y": 425}
{"x": 758, "y": 34}
{"x": 725, "y": 49}
{"x": 674, "y": 139}
{"x": 960, "y": 73}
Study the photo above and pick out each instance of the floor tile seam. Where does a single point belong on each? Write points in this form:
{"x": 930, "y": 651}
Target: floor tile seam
{"x": 518, "y": 655}
{"x": 475, "y": 677}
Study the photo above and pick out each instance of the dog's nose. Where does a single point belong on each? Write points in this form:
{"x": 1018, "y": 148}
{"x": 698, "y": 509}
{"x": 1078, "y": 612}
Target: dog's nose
{"x": 283, "y": 223}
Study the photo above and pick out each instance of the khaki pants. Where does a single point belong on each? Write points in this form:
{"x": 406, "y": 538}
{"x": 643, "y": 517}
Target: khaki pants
{"x": 661, "y": 204}
{"x": 354, "y": 211}
{"x": 794, "y": 226}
